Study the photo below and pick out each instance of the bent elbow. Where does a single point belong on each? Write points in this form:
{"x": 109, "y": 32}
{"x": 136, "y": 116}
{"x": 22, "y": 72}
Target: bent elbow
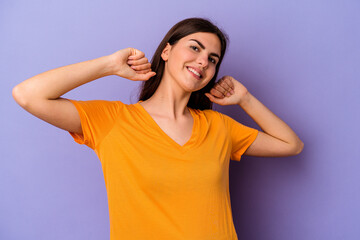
{"x": 22, "y": 96}
{"x": 298, "y": 149}
{"x": 18, "y": 96}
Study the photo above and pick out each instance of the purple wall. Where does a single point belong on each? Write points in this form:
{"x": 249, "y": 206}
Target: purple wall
{"x": 301, "y": 60}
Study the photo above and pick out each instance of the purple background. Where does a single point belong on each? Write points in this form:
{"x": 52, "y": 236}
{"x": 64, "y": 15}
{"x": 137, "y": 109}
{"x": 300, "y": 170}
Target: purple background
{"x": 301, "y": 59}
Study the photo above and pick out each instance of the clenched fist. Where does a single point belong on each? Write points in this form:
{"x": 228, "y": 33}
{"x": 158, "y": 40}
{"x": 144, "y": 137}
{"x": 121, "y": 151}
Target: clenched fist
{"x": 131, "y": 63}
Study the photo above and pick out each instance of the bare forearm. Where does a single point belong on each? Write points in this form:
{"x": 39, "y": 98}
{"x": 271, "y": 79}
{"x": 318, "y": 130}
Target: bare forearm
{"x": 268, "y": 121}
{"x": 56, "y": 82}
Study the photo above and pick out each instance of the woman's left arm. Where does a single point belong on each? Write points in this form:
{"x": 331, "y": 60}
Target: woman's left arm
{"x": 277, "y": 140}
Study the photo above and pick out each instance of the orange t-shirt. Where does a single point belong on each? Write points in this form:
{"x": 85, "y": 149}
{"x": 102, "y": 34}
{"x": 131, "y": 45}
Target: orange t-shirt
{"x": 158, "y": 189}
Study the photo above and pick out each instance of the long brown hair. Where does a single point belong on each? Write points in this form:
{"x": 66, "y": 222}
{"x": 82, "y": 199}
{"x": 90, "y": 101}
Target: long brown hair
{"x": 188, "y": 26}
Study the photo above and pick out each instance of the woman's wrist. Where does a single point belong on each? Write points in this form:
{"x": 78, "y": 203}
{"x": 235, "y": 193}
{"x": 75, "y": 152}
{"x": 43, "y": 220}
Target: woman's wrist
{"x": 245, "y": 100}
{"x": 110, "y": 66}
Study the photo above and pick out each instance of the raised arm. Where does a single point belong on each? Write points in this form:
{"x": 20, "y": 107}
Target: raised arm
{"x": 40, "y": 95}
{"x": 277, "y": 140}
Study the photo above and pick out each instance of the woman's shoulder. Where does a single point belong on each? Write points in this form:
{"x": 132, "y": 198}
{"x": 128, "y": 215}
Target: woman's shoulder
{"x": 99, "y": 104}
{"x": 209, "y": 113}
{"x": 206, "y": 111}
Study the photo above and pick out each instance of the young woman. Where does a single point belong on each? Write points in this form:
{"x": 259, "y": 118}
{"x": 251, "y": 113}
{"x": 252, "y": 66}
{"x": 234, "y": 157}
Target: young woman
{"x": 165, "y": 158}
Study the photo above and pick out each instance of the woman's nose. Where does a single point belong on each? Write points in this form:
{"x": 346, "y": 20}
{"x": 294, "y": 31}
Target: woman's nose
{"x": 203, "y": 60}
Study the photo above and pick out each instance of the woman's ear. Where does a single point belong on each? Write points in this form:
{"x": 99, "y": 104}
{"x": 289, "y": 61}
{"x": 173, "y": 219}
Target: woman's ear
{"x": 165, "y": 52}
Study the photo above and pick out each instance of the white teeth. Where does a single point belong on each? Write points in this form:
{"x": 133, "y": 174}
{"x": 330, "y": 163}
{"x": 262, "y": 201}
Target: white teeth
{"x": 195, "y": 72}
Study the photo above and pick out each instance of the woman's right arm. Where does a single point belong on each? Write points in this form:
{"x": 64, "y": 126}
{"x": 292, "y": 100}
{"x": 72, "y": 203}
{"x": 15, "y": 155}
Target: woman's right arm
{"x": 40, "y": 95}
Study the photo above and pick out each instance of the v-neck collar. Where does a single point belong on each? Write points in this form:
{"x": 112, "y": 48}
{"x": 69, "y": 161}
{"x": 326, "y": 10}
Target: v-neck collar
{"x": 194, "y": 132}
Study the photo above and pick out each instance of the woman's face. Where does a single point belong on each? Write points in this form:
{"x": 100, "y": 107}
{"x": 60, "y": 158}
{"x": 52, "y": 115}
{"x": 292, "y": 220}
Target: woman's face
{"x": 191, "y": 62}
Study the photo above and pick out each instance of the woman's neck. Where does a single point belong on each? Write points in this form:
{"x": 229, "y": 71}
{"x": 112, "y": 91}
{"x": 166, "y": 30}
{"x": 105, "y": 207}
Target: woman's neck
{"x": 169, "y": 100}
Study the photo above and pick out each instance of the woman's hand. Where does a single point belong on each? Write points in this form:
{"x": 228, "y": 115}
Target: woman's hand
{"x": 228, "y": 91}
{"x": 131, "y": 64}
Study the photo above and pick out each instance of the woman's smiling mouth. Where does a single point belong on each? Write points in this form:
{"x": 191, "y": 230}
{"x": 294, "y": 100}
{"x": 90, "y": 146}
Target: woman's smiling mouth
{"x": 195, "y": 73}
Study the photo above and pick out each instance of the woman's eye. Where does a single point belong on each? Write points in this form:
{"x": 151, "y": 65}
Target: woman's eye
{"x": 210, "y": 58}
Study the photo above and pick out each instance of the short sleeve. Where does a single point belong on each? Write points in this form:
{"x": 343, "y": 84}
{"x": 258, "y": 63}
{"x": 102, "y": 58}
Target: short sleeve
{"x": 97, "y": 119}
{"x": 241, "y": 136}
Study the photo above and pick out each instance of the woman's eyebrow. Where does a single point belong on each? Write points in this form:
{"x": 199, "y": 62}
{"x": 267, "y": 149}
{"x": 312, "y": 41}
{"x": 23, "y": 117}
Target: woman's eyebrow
{"x": 203, "y": 47}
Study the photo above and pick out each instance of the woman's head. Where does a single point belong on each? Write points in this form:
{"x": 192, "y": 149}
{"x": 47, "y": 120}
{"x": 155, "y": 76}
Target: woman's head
{"x": 179, "y": 31}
